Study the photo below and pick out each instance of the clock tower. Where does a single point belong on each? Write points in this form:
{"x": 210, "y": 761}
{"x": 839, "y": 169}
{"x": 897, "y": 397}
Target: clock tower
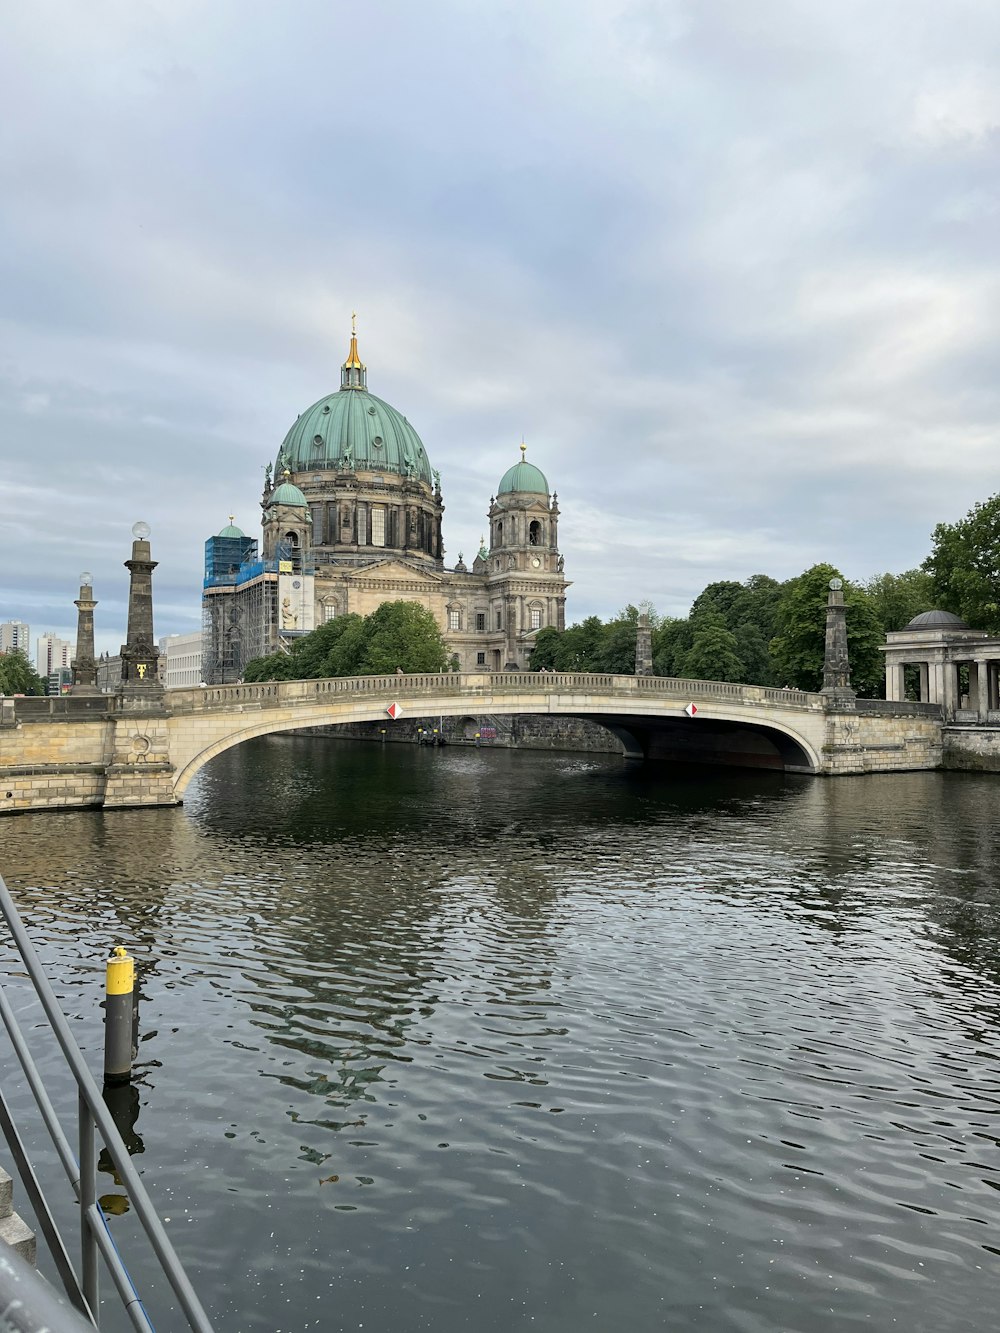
{"x": 527, "y": 587}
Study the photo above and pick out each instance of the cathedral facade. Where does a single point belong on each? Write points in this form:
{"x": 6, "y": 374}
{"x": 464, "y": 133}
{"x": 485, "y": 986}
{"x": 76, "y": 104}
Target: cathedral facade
{"x": 352, "y": 518}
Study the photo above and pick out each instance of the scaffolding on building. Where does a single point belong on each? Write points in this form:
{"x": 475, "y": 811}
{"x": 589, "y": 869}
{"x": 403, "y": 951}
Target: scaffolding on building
{"x": 240, "y": 605}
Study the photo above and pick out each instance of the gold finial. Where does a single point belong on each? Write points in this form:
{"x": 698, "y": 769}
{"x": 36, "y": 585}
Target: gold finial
{"x": 524, "y": 448}
{"x": 353, "y": 361}
{"x": 232, "y": 518}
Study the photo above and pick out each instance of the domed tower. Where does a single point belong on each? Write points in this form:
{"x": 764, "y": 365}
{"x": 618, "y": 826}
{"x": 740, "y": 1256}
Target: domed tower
{"x": 286, "y": 524}
{"x": 365, "y": 478}
{"x": 524, "y": 567}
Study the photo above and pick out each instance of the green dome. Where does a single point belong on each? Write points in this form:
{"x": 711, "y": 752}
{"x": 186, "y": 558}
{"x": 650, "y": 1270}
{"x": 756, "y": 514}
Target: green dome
{"x": 354, "y": 429}
{"x": 287, "y": 494}
{"x": 231, "y": 530}
{"x": 523, "y": 476}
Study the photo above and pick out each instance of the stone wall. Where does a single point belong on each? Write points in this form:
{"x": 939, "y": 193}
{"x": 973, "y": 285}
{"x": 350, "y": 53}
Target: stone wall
{"x": 874, "y": 743}
{"x": 53, "y": 764}
{"x": 972, "y": 749}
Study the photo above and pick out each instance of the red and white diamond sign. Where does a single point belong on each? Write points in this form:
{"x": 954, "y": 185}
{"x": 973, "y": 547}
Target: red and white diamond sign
{"x": 394, "y": 711}
{"x": 691, "y": 710}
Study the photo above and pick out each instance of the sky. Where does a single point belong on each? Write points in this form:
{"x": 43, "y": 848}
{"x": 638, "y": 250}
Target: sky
{"x": 732, "y": 270}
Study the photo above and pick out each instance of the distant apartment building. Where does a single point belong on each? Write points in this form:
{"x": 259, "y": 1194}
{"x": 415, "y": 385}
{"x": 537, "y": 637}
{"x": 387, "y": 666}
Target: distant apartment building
{"x": 180, "y": 660}
{"x": 52, "y": 654}
{"x": 109, "y": 672}
{"x": 15, "y": 634}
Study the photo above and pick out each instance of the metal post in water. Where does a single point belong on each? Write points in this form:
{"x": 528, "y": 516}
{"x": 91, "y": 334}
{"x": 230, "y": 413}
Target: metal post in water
{"x": 119, "y": 1021}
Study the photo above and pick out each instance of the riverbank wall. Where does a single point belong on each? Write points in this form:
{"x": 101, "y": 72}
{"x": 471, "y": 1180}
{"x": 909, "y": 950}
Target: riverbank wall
{"x": 525, "y": 732}
{"x": 971, "y": 749}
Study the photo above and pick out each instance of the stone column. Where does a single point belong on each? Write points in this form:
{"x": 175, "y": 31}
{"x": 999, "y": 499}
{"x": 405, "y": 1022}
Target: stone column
{"x": 949, "y": 672}
{"x": 643, "y": 647}
{"x": 895, "y": 687}
{"x": 979, "y": 688}
{"x": 836, "y": 668}
{"x": 139, "y": 653}
{"x": 924, "y": 686}
{"x": 84, "y": 665}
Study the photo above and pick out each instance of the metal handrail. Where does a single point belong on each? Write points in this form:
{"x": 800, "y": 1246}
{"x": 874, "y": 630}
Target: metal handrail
{"x": 28, "y": 1302}
{"x": 95, "y": 1238}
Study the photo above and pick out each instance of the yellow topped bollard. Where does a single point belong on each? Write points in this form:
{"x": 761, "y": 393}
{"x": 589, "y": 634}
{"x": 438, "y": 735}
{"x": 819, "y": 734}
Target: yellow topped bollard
{"x": 119, "y": 1017}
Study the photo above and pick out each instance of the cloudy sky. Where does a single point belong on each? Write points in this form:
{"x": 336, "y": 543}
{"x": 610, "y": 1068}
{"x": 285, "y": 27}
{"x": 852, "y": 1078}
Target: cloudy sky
{"x": 730, "y": 268}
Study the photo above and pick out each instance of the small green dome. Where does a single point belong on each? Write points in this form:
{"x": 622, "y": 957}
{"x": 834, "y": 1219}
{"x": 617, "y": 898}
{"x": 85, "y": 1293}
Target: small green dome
{"x": 287, "y": 494}
{"x": 523, "y": 476}
{"x": 231, "y": 530}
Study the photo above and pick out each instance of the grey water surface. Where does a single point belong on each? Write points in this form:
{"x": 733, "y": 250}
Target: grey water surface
{"x": 473, "y": 1040}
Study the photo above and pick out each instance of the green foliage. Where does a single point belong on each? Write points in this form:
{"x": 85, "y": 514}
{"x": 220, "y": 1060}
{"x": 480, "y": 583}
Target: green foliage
{"x": 897, "y": 598}
{"x": 964, "y": 565}
{"x": 799, "y": 647}
{"x": 543, "y": 655}
{"x": 18, "y": 676}
{"x": 399, "y": 635}
{"x": 616, "y": 653}
{"x": 712, "y": 655}
{"x": 671, "y": 644}
{"x": 747, "y": 611}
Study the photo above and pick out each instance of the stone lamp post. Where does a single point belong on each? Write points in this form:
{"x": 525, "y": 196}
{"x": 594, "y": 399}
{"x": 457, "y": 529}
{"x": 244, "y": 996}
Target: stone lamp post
{"x": 140, "y": 653}
{"x": 84, "y": 665}
{"x": 836, "y": 667}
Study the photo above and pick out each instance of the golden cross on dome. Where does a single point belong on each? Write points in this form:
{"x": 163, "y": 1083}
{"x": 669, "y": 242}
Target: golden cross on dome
{"x": 232, "y": 518}
{"x": 524, "y": 448}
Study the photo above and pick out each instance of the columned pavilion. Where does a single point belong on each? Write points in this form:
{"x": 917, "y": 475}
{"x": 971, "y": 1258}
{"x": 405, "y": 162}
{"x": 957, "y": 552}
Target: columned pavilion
{"x": 957, "y": 667}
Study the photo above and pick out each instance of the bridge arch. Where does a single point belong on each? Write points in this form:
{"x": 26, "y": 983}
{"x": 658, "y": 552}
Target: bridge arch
{"x": 645, "y": 714}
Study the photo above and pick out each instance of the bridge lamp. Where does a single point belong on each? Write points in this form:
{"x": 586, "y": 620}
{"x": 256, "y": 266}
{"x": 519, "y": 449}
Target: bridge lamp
{"x": 141, "y": 531}
{"x": 86, "y": 579}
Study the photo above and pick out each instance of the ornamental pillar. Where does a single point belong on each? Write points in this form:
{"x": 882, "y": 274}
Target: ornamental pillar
{"x": 139, "y": 653}
{"x": 84, "y": 665}
{"x": 836, "y": 667}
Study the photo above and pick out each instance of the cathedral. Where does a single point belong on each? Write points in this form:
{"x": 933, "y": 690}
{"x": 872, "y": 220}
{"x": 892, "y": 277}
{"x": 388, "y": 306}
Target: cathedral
{"x": 352, "y": 518}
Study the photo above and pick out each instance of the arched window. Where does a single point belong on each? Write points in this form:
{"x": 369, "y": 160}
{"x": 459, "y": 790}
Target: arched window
{"x": 292, "y": 538}
{"x": 454, "y": 618}
{"x": 535, "y": 616}
{"x": 499, "y": 532}
{"x": 535, "y": 533}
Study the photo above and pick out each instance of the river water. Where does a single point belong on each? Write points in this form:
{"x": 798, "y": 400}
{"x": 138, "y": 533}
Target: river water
{"x": 474, "y": 1040}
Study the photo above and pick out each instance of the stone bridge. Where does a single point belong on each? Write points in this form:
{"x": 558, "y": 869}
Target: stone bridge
{"x": 116, "y": 751}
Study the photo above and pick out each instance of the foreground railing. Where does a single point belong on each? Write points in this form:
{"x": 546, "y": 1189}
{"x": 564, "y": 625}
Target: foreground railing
{"x": 92, "y": 1115}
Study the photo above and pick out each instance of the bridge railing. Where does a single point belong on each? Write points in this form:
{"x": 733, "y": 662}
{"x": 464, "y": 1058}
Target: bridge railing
{"x": 899, "y": 708}
{"x": 290, "y": 692}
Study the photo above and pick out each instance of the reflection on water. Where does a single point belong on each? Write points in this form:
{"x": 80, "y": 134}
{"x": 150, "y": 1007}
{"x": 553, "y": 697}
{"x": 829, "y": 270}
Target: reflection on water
{"x": 460, "y": 1039}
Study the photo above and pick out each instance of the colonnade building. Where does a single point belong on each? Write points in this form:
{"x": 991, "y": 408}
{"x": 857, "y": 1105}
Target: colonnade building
{"x": 940, "y": 660}
{"x": 353, "y": 518}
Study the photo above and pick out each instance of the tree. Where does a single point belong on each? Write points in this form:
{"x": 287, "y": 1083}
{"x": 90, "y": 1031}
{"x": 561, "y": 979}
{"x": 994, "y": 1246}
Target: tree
{"x": 17, "y": 675}
{"x": 799, "y": 647}
{"x": 546, "y": 649}
{"x": 964, "y": 565}
{"x": 712, "y": 655}
{"x": 580, "y": 646}
{"x": 897, "y": 598}
{"x": 399, "y": 635}
{"x": 616, "y": 653}
{"x": 671, "y": 643}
